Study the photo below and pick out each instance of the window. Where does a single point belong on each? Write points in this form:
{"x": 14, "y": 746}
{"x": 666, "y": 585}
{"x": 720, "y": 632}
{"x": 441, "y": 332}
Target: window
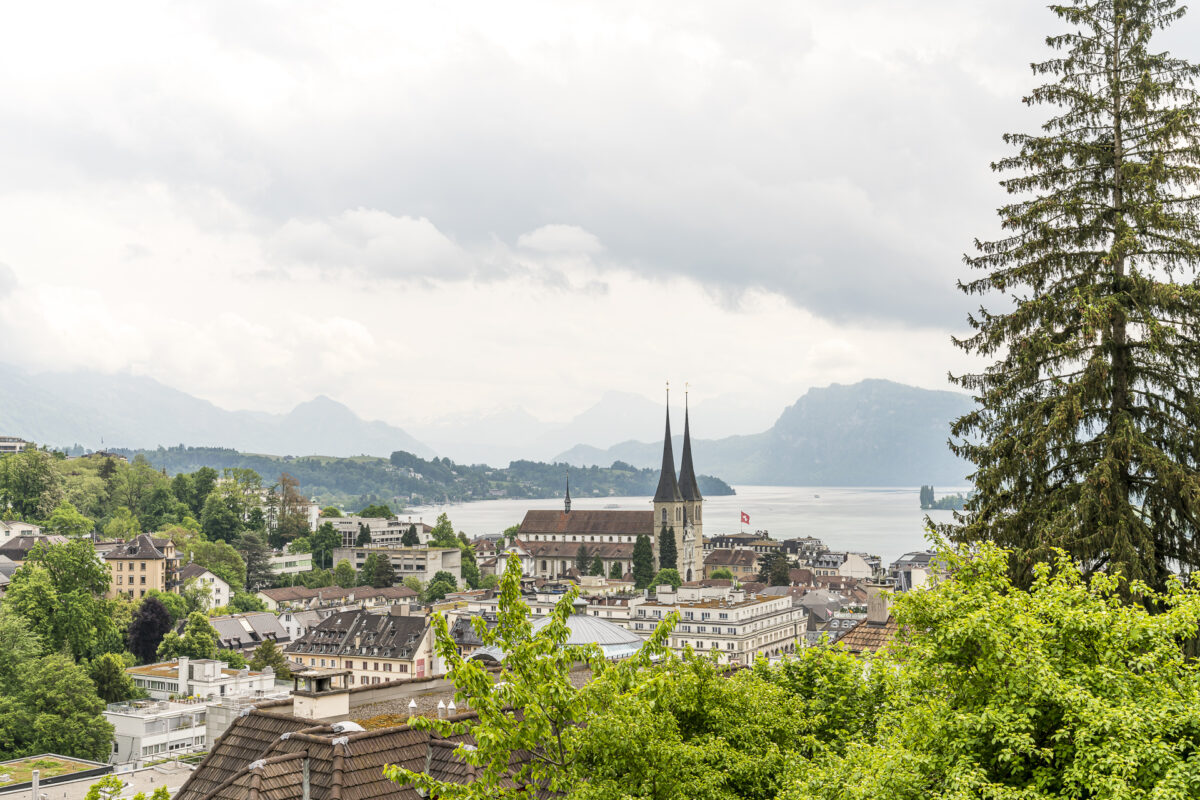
{"x": 143, "y": 566}
{"x": 387, "y": 667}
{"x": 143, "y": 580}
{"x": 120, "y": 565}
{"x": 722, "y": 616}
{"x": 349, "y": 665}
{"x": 120, "y": 579}
{"x": 404, "y": 667}
{"x": 322, "y": 662}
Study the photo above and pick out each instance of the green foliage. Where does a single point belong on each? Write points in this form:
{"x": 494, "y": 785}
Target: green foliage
{"x": 667, "y": 577}
{"x": 242, "y": 602}
{"x": 123, "y": 525}
{"x": 176, "y": 605}
{"x": 531, "y": 705}
{"x": 18, "y": 646}
{"x": 774, "y": 569}
{"x": 1055, "y": 692}
{"x": 377, "y": 511}
{"x": 643, "y": 562}
{"x": 113, "y": 684}
{"x": 411, "y": 538}
{"x": 30, "y": 484}
{"x": 364, "y": 536}
{"x": 199, "y": 640}
{"x": 256, "y": 556}
{"x": 219, "y": 558}
{"x": 107, "y": 788}
{"x": 331, "y": 511}
{"x": 233, "y": 658}
{"x": 218, "y": 521}
{"x": 54, "y": 710}
{"x": 443, "y": 534}
{"x": 668, "y": 557}
{"x": 437, "y": 590}
{"x": 583, "y": 559}
{"x": 268, "y": 654}
{"x": 1085, "y": 433}
{"x": 66, "y": 520}
{"x": 383, "y": 574}
{"x": 615, "y": 573}
{"x": 324, "y": 541}
{"x": 597, "y": 566}
{"x": 414, "y": 583}
{"x": 151, "y": 622}
{"x": 721, "y": 573}
{"x": 344, "y": 575}
{"x": 60, "y": 591}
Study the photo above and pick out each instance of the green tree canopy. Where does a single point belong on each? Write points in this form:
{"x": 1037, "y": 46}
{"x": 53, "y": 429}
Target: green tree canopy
{"x": 411, "y": 538}
{"x": 667, "y": 577}
{"x": 30, "y": 484}
{"x": 324, "y": 541}
{"x": 218, "y": 520}
{"x": 269, "y": 655}
{"x": 149, "y": 625}
{"x": 344, "y": 575}
{"x": 113, "y": 684}
{"x": 668, "y": 557}
{"x": 377, "y": 511}
{"x": 1088, "y": 421}
{"x": 643, "y": 562}
{"x": 55, "y": 710}
{"x": 384, "y": 574}
{"x": 66, "y": 520}
{"x": 721, "y": 573}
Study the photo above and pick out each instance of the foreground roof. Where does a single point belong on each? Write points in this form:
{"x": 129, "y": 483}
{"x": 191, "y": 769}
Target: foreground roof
{"x": 869, "y": 637}
{"x": 614, "y": 640}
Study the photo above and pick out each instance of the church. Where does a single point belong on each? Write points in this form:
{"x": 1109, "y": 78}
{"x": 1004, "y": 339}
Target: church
{"x": 551, "y": 539}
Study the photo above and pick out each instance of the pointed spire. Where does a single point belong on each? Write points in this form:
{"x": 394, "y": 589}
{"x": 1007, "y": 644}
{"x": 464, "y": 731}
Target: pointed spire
{"x": 668, "y": 486}
{"x": 567, "y": 501}
{"x": 687, "y": 474}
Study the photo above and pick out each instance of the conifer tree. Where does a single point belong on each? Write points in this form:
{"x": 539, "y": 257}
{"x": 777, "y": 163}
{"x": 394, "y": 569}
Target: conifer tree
{"x": 668, "y": 558}
{"x": 643, "y": 562}
{"x": 1086, "y": 433}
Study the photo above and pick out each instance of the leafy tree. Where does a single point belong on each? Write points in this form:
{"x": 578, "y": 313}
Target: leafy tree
{"x": 470, "y": 567}
{"x": 18, "y": 646}
{"x": 411, "y": 538}
{"x": 364, "y": 536}
{"x": 150, "y": 623}
{"x": 722, "y": 573}
{"x": 317, "y": 578}
{"x": 615, "y": 573}
{"x": 301, "y": 544}
{"x": 243, "y": 602}
{"x": 269, "y": 655}
{"x": 123, "y": 525}
{"x": 203, "y": 481}
{"x": 66, "y": 520}
{"x": 196, "y": 596}
{"x": 60, "y": 591}
{"x": 324, "y": 542}
{"x": 1064, "y": 690}
{"x": 1085, "y": 435}
{"x": 384, "y": 574}
{"x": 331, "y": 511}
{"x": 170, "y": 648}
{"x": 199, "y": 640}
{"x": 667, "y": 577}
{"x": 366, "y": 573}
{"x": 221, "y": 559}
{"x": 437, "y": 590}
{"x": 927, "y": 496}
{"x": 668, "y": 557}
{"x": 344, "y": 575}
{"x": 256, "y": 556}
{"x": 107, "y": 788}
{"x": 597, "y": 567}
{"x": 233, "y": 658}
{"x": 175, "y": 604}
{"x": 113, "y": 683}
{"x": 442, "y": 533}
{"x": 643, "y": 562}
{"x": 29, "y": 484}
{"x": 532, "y": 705}
{"x": 56, "y": 710}
{"x": 377, "y": 511}
{"x": 218, "y": 520}
{"x": 583, "y": 559}
{"x": 774, "y": 569}
{"x": 414, "y": 583}
{"x": 445, "y": 577}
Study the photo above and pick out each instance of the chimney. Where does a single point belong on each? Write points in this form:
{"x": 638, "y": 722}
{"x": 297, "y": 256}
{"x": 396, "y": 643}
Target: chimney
{"x": 183, "y": 675}
{"x": 35, "y": 775}
{"x": 877, "y": 606}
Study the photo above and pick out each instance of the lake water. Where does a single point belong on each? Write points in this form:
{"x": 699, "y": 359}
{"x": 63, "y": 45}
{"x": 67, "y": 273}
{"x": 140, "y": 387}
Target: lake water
{"x": 886, "y": 522}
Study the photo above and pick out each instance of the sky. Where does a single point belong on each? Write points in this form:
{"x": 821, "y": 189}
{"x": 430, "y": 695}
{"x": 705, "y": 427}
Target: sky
{"x": 434, "y": 210}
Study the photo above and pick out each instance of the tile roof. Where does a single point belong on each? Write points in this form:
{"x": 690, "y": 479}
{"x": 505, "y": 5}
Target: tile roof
{"x": 194, "y": 570}
{"x": 869, "y": 637}
{"x": 599, "y": 521}
{"x": 381, "y": 635}
{"x": 569, "y": 550}
{"x": 143, "y": 547}
{"x": 730, "y": 558}
{"x": 263, "y": 756}
{"x": 17, "y": 548}
{"x": 243, "y": 631}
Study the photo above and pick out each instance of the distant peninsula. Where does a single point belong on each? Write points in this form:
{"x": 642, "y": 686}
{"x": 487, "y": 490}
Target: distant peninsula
{"x": 406, "y": 479}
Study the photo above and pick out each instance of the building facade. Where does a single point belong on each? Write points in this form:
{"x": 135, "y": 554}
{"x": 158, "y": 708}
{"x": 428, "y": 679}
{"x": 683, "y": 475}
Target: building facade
{"x": 374, "y": 648}
{"x": 200, "y": 677}
{"x": 421, "y": 563}
{"x": 219, "y": 593}
{"x": 142, "y": 564}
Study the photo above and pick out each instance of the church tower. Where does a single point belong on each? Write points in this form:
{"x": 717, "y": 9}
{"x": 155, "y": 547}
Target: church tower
{"x": 693, "y": 502}
{"x": 668, "y": 501}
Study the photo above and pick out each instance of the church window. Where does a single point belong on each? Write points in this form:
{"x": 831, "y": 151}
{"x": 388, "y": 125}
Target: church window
{"x": 679, "y": 514}
{"x": 664, "y": 516}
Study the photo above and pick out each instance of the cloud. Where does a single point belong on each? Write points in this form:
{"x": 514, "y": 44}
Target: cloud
{"x": 560, "y": 239}
{"x": 8, "y": 280}
{"x": 372, "y": 241}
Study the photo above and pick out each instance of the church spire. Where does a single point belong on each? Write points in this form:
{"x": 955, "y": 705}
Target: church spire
{"x": 687, "y": 474}
{"x": 668, "y": 486}
{"x": 567, "y": 501}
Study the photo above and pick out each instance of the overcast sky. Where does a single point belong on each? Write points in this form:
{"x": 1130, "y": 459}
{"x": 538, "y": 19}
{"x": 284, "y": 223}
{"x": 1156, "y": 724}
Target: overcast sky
{"x": 436, "y": 209}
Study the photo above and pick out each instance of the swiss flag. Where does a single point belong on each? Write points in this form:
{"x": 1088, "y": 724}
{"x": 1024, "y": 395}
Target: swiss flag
{"x": 745, "y": 518}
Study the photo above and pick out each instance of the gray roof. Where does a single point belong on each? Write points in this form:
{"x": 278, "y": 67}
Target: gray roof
{"x": 194, "y": 570}
{"x": 687, "y": 474}
{"x": 7, "y": 566}
{"x": 614, "y": 640}
{"x": 143, "y": 547}
{"x": 668, "y": 486}
{"x": 247, "y": 631}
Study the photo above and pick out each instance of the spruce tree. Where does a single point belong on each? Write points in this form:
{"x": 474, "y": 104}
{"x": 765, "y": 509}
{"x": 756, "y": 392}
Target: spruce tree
{"x": 597, "y": 567}
{"x": 1085, "y": 435}
{"x": 583, "y": 559}
{"x": 410, "y": 537}
{"x": 643, "y": 562}
{"x": 668, "y": 558}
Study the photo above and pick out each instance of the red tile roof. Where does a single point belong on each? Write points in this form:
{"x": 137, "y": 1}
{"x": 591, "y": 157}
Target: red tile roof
{"x": 602, "y": 521}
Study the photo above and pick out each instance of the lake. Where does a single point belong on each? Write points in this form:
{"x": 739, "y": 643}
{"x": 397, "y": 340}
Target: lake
{"x": 887, "y": 522}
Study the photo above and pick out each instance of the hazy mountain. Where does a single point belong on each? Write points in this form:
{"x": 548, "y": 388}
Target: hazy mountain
{"x": 872, "y": 433}
{"x": 97, "y": 410}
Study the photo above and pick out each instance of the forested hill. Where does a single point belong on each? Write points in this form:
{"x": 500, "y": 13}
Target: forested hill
{"x": 406, "y": 479}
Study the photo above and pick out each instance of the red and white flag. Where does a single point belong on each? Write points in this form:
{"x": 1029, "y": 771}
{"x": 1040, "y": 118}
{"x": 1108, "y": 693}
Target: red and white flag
{"x": 745, "y": 518}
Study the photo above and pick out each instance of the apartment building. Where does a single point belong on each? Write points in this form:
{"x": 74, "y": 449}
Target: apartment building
{"x": 199, "y": 677}
{"x": 384, "y": 531}
{"x": 12, "y": 444}
{"x": 219, "y": 593}
{"x": 717, "y": 618}
{"x": 374, "y": 648}
{"x": 142, "y": 564}
{"x": 154, "y": 729}
{"x": 421, "y": 563}
{"x": 289, "y": 563}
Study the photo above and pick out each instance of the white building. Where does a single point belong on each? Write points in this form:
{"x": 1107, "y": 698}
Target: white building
{"x": 200, "y": 677}
{"x": 847, "y": 565}
{"x": 290, "y": 563}
{"x": 384, "y": 531}
{"x": 152, "y": 729}
{"x": 11, "y": 444}
{"x": 419, "y": 562}
{"x": 219, "y": 593}
{"x": 720, "y": 618}
{"x": 12, "y": 528}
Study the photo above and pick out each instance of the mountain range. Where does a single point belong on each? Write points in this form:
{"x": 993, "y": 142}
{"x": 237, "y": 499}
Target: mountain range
{"x": 872, "y": 433}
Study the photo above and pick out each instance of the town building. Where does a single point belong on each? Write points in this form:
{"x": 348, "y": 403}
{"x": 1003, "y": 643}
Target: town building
{"x": 875, "y": 631}
{"x": 742, "y": 564}
{"x": 12, "y": 444}
{"x": 10, "y": 528}
{"x": 911, "y": 570}
{"x": 421, "y": 563}
{"x": 156, "y": 729}
{"x": 551, "y": 540}
{"x": 245, "y": 632}
{"x": 17, "y": 548}
{"x": 289, "y": 563}
{"x": 804, "y": 548}
{"x": 755, "y": 542}
{"x": 141, "y": 564}
{"x": 205, "y": 678}
{"x": 219, "y": 593}
{"x": 300, "y": 598}
{"x": 847, "y": 565}
{"x": 371, "y": 647}
{"x": 384, "y": 531}
{"x": 738, "y": 626}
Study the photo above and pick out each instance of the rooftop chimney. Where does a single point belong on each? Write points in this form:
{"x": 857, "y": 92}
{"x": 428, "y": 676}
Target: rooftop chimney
{"x": 877, "y": 606}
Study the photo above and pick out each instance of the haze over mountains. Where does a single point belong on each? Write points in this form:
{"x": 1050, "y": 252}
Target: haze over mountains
{"x": 871, "y": 433}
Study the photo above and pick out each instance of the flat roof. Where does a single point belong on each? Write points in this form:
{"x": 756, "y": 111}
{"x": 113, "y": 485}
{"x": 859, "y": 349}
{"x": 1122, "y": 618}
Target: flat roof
{"x": 749, "y": 601}
{"x": 48, "y": 765}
